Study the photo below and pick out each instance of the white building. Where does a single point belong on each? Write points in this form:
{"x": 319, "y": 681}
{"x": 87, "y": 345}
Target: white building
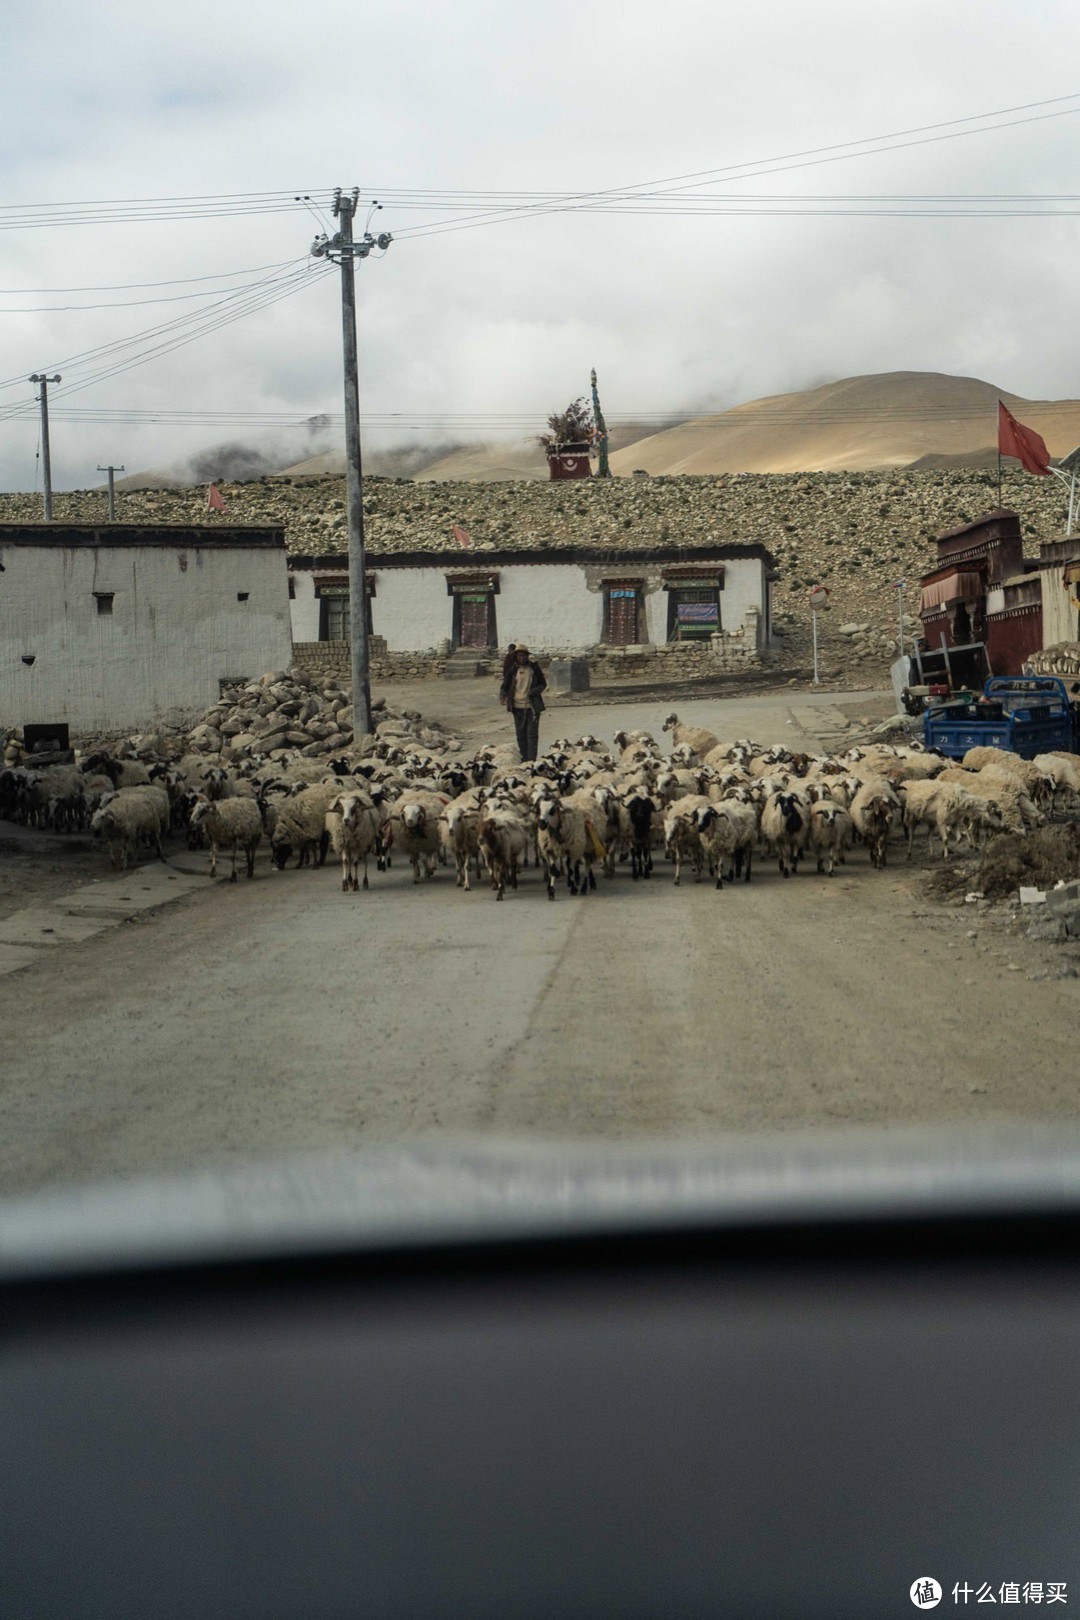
{"x": 554, "y": 600}
{"x": 114, "y": 626}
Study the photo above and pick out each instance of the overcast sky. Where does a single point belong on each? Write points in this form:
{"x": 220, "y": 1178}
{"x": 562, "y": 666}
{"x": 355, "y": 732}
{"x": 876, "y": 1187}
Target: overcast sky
{"x": 120, "y": 100}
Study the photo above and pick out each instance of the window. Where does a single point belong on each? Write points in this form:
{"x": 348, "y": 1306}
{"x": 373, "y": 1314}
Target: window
{"x": 335, "y": 613}
{"x": 693, "y": 612}
{"x": 621, "y": 615}
{"x": 104, "y": 600}
{"x": 242, "y": 596}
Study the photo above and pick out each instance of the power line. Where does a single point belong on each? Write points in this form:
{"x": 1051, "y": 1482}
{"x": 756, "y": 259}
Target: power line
{"x": 130, "y": 286}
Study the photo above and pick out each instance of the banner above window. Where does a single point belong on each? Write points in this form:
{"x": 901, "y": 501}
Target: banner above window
{"x": 957, "y": 587}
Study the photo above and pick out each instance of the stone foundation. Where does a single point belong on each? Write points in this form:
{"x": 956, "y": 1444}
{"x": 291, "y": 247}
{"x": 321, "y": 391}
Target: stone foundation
{"x": 720, "y": 655}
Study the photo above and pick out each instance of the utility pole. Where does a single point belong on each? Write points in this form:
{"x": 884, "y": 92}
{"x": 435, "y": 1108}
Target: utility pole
{"x": 40, "y": 378}
{"x": 343, "y": 250}
{"x": 603, "y": 471}
{"x": 112, "y": 489}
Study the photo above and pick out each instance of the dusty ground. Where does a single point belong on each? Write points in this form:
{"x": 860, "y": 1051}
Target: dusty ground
{"x": 285, "y": 1015}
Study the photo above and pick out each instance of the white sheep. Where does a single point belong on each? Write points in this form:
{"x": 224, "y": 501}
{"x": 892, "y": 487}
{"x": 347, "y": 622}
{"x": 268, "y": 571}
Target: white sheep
{"x": 353, "y": 824}
{"x": 682, "y": 836}
{"x": 785, "y": 826}
{"x": 132, "y": 816}
{"x": 696, "y": 738}
{"x": 566, "y": 842}
{"x": 414, "y": 829}
{"x": 727, "y": 828}
{"x": 503, "y": 841}
{"x": 873, "y": 810}
{"x": 831, "y": 831}
{"x": 231, "y": 823}
{"x": 461, "y": 831}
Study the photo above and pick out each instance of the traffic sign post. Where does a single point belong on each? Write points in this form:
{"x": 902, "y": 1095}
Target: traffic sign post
{"x": 900, "y": 593}
{"x": 819, "y": 599}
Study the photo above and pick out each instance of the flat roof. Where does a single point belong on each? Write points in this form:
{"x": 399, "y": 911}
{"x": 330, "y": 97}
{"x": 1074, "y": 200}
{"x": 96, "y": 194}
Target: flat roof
{"x": 478, "y": 559}
{"x": 182, "y": 536}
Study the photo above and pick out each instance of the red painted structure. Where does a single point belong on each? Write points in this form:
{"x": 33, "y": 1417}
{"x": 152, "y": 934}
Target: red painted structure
{"x": 982, "y": 590}
{"x": 571, "y": 461}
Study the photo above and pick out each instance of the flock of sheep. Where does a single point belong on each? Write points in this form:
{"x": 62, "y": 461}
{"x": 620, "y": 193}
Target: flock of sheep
{"x": 707, "y": 805}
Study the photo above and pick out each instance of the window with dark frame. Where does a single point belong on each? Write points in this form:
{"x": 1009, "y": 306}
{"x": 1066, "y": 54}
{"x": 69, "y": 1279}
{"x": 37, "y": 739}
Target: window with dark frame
{"x": 693, "y": 612}
{"x": 104, "y": 600}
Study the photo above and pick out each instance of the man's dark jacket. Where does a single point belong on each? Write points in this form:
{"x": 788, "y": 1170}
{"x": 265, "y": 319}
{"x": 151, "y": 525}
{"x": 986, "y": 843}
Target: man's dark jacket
{"x": 506, "y": 690}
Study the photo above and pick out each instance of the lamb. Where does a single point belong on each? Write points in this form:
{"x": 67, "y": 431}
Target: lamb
{"x": 696, "y": 738}
{"x": 785, "y": 825}
{"x": 353, "y": 824}
{"x": 414, "y": 827}
{"x": 873, "y": 810}
{"x": 231, "y": 822}
{"x": 831, "y": 832}
{"x": 566, "y": 840}
{"x": 131, "y": 817}
{"x": 503, "y": 840}
{"x": 301, "y": 825}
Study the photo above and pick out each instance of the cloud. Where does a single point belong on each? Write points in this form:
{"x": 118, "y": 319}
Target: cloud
{"x": 676, "y": 313}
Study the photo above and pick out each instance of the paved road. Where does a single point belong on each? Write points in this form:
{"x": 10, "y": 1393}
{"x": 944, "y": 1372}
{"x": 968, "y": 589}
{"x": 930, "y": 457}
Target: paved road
{"x": 283, "y": 1014}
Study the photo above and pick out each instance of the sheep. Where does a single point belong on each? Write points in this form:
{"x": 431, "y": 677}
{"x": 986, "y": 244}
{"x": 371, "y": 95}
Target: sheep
{"x": 566, "y": 840}
{"x": 231, "y": 822}
{"x": 132, "y": 816}
{"x": 727, "y": 829}
{"x": 122, "y": 773}
{"x": 872, "y": 811}
{"x": 947, "y": 809}
{"x": 461, "y": 821}
{"x": 696, "y": 738}
{"x": 682, "y": 839}
{"x": 785, "y": 824}
{"x": 414, "y": 824}
{"x": 601, "y": 807}
{"x": 301, "y": 825}
{"x": 353, "y": 824}
{"x": 640, "y": 808}
{"x": 503, "y": 841}
{"x": 831, "y": 832}
{"x": 1006, "y": 790}
{"x": 1063, "y": 772}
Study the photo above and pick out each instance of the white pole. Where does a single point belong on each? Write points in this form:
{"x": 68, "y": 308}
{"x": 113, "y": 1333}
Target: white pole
{"x": 1072, "y": 503}
{"x": 813, "y": 615}
{"x": 900, "y": 591}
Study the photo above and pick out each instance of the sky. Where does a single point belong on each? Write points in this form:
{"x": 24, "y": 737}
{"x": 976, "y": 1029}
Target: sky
{"x": 503, "y": 315}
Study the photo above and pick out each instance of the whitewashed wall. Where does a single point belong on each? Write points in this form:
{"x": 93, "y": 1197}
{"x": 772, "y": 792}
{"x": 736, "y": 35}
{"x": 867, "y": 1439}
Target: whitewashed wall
{"x": 174, "y": 631}
{"x": 547, "y": 606}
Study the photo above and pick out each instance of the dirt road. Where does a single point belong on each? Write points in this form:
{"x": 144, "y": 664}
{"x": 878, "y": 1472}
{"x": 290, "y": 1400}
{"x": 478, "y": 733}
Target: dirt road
{"x": 283, "y": 1015}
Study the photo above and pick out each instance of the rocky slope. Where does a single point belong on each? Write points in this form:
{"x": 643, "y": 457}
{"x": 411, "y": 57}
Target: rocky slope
{"x": 855, "y": 532}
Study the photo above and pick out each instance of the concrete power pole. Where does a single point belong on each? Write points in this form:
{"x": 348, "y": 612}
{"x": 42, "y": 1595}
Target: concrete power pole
{"x": 40, "y": 378}
{"x": 343, "y": 250}
{"x": 112, "y": 471}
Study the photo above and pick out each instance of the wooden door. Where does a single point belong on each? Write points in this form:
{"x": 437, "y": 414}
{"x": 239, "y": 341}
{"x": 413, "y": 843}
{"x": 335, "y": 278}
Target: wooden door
{"x": 622, "y": 617}
{"x": 474, "y": 620}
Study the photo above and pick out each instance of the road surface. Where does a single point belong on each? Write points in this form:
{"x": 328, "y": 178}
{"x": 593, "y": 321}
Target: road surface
{"x": 283, "y": 1014}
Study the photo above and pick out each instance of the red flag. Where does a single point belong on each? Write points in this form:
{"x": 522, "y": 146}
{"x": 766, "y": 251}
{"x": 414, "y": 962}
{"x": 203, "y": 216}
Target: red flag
{"x": 460, "y": 535}
{"x": 1022, "y": 442}
{"x": 214, "y": 500}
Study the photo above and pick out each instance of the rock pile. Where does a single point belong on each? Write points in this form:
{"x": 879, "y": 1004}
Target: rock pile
{"x": 279, "y": 714}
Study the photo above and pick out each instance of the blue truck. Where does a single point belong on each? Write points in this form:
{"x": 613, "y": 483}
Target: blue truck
{"x": 1027, "y": 714}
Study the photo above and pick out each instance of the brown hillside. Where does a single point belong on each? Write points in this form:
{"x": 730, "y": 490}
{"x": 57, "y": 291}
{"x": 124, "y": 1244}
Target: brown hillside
{"x": 879, "y": 422}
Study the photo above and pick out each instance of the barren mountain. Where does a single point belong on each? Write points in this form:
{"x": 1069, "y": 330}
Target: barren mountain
{"x": 889, "y": 420}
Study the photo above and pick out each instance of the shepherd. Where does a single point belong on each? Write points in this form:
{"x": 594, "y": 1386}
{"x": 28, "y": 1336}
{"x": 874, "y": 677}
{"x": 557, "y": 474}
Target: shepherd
{"x": 522, "y": 685}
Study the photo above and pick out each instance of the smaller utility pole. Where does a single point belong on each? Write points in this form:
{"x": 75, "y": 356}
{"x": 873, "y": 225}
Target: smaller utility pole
{"x": 112, "y": 489}
{"x": 40, "y": 378}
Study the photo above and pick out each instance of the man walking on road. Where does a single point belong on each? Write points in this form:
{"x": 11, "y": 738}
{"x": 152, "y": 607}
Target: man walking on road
{"x": 520, "y": 692}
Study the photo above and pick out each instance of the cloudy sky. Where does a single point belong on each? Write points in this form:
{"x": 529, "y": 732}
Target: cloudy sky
{"x": 504, "y": 315}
